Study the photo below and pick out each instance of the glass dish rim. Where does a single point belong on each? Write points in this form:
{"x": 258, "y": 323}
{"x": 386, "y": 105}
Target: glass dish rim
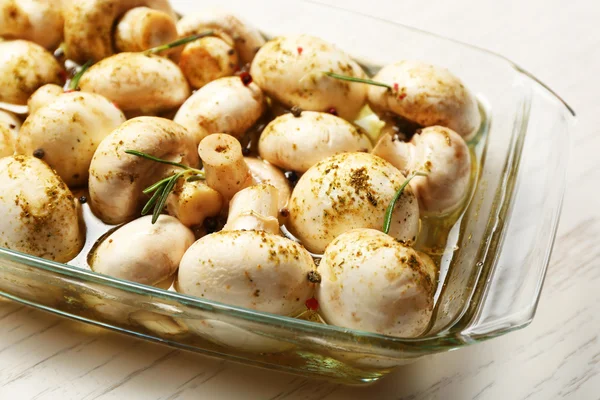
{"x": 498, "y": 210}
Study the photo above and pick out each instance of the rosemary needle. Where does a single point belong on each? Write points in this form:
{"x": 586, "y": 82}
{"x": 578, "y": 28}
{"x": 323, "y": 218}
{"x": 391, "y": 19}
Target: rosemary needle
{"x": 387, "y": 221}
{"x": 74, "y": 84}
{"x": 178, "y": 42}
{"x": 359, "y": 80}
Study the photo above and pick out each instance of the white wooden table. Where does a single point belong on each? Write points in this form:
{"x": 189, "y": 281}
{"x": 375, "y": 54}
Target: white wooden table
{"x": 47, "y": 357}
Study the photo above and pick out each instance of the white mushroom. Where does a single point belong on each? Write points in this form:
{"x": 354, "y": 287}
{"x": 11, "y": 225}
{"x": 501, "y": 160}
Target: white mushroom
{"x": 39, "y": 214}
{"x": 254, "y": 208}
{"x": 67, "y": 132}
{"x": 89, "y": 25}
{"x": 117, "y": 178}
{"x": 443, "y": 155}
{"x": 43, "y": 96}
{"x": 192, "y": 202}
{"x": 247, "y": 39}
{"x": 137, "y": 82}
{"x": 263, "y": 172}
{"x": 207, "y": 59}
{"x": 142, "y": 28}
{"x": 372, "y": 282}
{"x": 143, "y": 252}
{"x": 290, "y": 69}
{"x": 225, "y": 105}
{"x": 226, "y": 171}
{"x": 426, "y": 94}
{"x": 9, "y": 128}
{"x": 298, "y": 143}
{"x": 252, "y": 269}
{"x": 24, "y": 67}
{"x": 348, "y": 191}
{"x": 39, "y": 21}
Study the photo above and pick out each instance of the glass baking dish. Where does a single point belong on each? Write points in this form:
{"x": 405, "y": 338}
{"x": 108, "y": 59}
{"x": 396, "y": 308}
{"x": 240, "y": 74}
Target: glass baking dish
{"x": 493, "y": 264}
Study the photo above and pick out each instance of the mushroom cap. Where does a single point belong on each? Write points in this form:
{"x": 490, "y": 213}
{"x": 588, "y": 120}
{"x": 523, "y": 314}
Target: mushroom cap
{"x": 348, "y": 191}
{"x": 39, "y": 214}
{"x": 117, "y": 178}
{"x": 69, "y": 130}
{"x": 266, "y": 272}
{"x": 298, "y": 143}
{"x": 137, "y": 82}
{"x": 224, "y": 105}
{"x": 39, "y": 21}
{"x": 443, "y": 155}
{"x": 290, "y": 69}
{"x": 428, "y": 95}
{"x": 43, "y": 96}
{"x": 263, "y": 172}
{"x": 143, "y": 252}
{"x": 9, "y": 129}
{"x": 142, "y": 28}
{"x": 207, "y": 59}
{"x": 372, "y": 282}
{"x": 89, "y": 25}
{"x": 24, "y": 67}
{"x": 247, "y": 39}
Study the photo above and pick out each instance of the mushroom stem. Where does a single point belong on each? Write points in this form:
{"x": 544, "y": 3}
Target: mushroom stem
{"x": 193, "y": 201}
{"x": 224, "y": 165}
{"x": 254, "y": 208}
{"x": 142, "y": 28}
{"x": 397, "y": 152}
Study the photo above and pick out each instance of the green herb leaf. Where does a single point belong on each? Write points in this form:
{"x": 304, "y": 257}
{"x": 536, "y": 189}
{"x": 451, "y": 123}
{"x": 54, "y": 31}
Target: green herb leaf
{"x": 74, "y": 84}
{"x": 162, "y": 201}
{"x": 359, "y": 80}
{"x": 151, "y": 202}
{"x": 195, "y": 178}
{"x": 159, "y": 160}
{"x": 156, "y": 186}
{"x": 387, "y": 221}
{"x": 178, "y": 42}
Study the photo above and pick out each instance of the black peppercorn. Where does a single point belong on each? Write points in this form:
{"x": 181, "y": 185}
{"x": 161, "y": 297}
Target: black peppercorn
{"x": 292, "y": 177}
{"x": 83, "y": 199}
{"x": 39, "y": 153}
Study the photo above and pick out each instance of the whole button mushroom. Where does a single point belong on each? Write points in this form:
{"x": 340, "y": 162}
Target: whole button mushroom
{"x": 39, "y": 214}
{"x": 142, "y": 28}
{"x": 348, "y": 191}
{"x": 443, "y": 155}
{"x": 225, "y": 105}
{"x": 9, "y": 129}
{"x": 266, "y": 272}
{"x": 426, "y": 94}
{"x": 290, "y": 70}
{"x": 39, "y": 21}
{"x": 372, "y": 282}
{"x": 24, "y": 67}
{"x": 143, "y": 252}
{"x": 224, "y": 165}
{"x": 68, "y": 131}
{"x": 89, "y": 25}
{"x": 43, "y": 96}
{"x": 263, "y": 172}
{"x": 207, "y": 59}
{"x": 246, "y": 38}
{"x": 137, "y": 82}
{"x": 298, "y": 143}
{"x": 117, "y": 179}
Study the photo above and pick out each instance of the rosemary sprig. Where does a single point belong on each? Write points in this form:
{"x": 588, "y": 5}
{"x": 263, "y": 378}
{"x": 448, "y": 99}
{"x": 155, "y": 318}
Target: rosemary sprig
{"x": 179, "y": 42}
{"x": 359, "y": 80}
{"x": 387, "y": 221}
{"x": 161, "y": 189}
{"x": 74, "y": 84}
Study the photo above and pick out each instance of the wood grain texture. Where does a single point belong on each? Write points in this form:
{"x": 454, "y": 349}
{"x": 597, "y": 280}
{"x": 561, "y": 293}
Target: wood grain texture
{"x": 557, "y": 356}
